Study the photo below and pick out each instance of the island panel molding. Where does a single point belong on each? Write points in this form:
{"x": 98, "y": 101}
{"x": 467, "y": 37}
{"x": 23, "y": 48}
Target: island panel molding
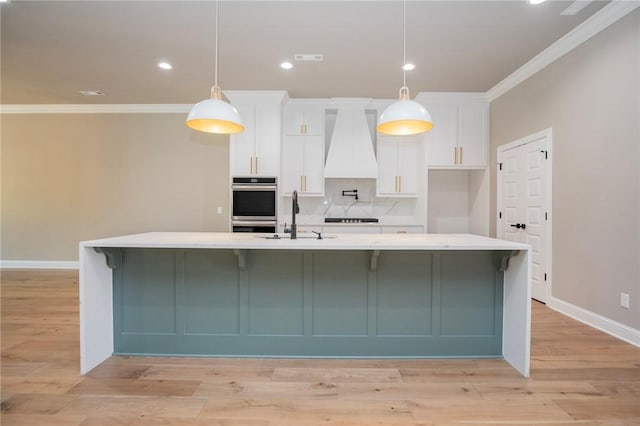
{"x": 193, "y": 302}
{"x": 354, "y": 295}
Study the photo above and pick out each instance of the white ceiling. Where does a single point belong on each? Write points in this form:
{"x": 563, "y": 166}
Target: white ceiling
{"x": 53, "y": 49}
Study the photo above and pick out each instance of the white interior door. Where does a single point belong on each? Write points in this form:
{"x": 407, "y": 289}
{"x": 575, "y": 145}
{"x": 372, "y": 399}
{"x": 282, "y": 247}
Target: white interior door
{"x": 524, "y": 202}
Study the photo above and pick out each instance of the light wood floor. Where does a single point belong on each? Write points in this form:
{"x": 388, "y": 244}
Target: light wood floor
{"x": 580, "y": 376}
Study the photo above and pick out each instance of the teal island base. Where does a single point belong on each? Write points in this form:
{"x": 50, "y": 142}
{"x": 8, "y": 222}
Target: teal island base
{"x": 307, "y": 303}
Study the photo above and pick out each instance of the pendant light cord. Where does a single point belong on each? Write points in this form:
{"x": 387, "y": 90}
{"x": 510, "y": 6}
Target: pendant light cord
{"x": 216, "y": 53}
{"x": 404, "y": 42}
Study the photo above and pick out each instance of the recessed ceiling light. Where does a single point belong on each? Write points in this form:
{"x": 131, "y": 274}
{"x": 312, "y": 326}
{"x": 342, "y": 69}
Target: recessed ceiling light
{"x": 91, "y": 93}
{"x": 286, "y": 65}
{"x": 408, "y": 66}
{"x": 164, "y": 65}
{"x": 536, "y": 1}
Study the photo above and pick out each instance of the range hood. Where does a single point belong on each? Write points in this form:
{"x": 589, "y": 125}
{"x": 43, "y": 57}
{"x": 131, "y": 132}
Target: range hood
{"x": 351, "y": 149}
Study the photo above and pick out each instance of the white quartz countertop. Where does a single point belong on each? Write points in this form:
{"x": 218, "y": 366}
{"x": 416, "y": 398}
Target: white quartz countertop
{"x": 221, "y": 240}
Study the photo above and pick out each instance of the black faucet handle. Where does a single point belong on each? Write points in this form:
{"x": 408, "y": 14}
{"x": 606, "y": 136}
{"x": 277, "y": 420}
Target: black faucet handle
{"x": 319, "y": 234}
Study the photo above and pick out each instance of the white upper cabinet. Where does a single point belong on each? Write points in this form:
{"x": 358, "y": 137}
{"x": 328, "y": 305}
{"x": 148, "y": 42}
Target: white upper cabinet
{"x": 442, "y": 140}
{"x": 459, "y": 138}
{"x": 303, "y": 150}
{"x": 397, "y": 166}
{"x": 473, "y": 132}
{"x": 256, "y": 151}
{"x": 303, "y": 119}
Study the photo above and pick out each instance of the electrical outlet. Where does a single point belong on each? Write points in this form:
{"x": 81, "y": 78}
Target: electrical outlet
{"x": 624, "y": 300}
{"x": 219, "y": 210}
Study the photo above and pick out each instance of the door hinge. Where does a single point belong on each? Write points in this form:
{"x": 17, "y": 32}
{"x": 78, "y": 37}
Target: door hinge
{"x": 545, "y": 276}
{"x": 500, "y": 165}
{"x": 500, "y": 215}
{"x": 546, "y": 154}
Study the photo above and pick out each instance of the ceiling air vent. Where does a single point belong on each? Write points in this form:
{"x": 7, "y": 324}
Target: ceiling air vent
{"x": 317, "y": 57}
{"x": 91, "y": 93}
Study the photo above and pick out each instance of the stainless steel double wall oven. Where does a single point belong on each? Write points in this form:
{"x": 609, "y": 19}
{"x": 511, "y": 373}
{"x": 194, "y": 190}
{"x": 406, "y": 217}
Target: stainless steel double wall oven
{"x": 253, "y": 205}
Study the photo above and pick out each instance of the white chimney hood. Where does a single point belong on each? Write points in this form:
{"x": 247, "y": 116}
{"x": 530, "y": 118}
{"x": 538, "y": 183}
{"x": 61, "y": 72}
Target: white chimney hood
{"x": 351, "y": 149}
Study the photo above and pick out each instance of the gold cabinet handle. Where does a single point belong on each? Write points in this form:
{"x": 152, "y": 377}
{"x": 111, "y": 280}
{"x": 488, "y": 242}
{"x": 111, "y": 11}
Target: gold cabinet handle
{"x": 460, "y": 155}
{"x": 400, "y": 183}
{"x": 251, "y": 165}
{"x": 455, "y": 155}
{"x": 301, "y": 185}
{"x": 305, "y": 183}
{"x": 256, "y": 165}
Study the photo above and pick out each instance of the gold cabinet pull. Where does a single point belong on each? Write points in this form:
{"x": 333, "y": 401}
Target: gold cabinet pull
{"x": 305, "y": 183}
{"x": 301, "y": 184}
{"x": 399, "y": 183}
{"x": 256, "y": 165}
{"x": 251, "y": 165}
{"x": 455, "y": 155}
{"x": 460, "y": 155}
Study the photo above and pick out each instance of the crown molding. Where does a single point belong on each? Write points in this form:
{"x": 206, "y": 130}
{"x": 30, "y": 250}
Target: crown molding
{"x": 602, "y": 19}
{"x": 95, "y": 109}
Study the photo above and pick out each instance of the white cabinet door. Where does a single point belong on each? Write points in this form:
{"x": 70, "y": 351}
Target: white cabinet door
{"x": 459, "y": 137}
{"x": 267, "y": 137}
{"x": 256, "y": 151}
{"x": 242, "y": 145}
{"x": 397, "y": 166}
{"x": 387, "y": 165}
{"x": 408, "y": 165}
{"x": 472, "y": 134}
{"x": 303, "y": 119}
{"x": 303, "y": 165}
{"x": 412, "y": 229}
{"x": 313, "y": 164}
{"x": 292, "y": 164}
{"x": 442, "y": 140}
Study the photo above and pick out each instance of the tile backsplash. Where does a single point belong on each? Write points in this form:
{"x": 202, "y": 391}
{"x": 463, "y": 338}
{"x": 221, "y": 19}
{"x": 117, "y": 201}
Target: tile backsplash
{"x": 389, "y": 211}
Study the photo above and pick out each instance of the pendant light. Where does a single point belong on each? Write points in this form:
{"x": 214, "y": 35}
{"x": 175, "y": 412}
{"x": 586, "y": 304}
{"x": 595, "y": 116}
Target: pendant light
{"x": 215, "y": 115}
{"x": 405, "y": 117}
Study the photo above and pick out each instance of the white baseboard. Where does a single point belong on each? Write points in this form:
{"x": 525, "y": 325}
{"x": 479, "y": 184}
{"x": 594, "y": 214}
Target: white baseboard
{"x": 609, "y": 326}
{"x": 38, "y": 264}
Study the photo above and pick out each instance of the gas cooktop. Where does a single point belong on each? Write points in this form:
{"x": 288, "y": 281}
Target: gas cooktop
{"x": 350, "y": 220}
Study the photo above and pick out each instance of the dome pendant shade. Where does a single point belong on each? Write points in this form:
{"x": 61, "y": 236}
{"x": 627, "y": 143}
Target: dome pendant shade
{"x": 405, "y": 117}
{"x": 215, "y": 115}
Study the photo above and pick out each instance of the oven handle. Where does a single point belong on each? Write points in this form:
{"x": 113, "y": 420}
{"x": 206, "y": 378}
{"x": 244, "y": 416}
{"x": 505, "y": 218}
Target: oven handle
{"x": 253, "y": 187}
{"x": 253, "y": 223}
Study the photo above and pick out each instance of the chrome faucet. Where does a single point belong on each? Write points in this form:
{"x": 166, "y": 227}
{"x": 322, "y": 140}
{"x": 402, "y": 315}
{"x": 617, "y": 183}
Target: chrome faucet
{"x": 295, "y": 208}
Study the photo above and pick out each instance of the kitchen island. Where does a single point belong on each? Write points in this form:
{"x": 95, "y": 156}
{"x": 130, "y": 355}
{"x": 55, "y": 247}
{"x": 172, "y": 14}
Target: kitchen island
{"x": 346, "y": 295}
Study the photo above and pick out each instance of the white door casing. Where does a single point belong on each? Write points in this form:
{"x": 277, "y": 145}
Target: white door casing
{"x": 524, "y": 203}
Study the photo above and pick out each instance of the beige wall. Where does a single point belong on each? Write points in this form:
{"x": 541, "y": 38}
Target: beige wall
{"x": 591, "y": 100}
{"x": 73, "y": 177}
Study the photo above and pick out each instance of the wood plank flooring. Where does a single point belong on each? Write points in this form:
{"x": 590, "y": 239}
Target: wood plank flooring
{"x": 579, "y": 376}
